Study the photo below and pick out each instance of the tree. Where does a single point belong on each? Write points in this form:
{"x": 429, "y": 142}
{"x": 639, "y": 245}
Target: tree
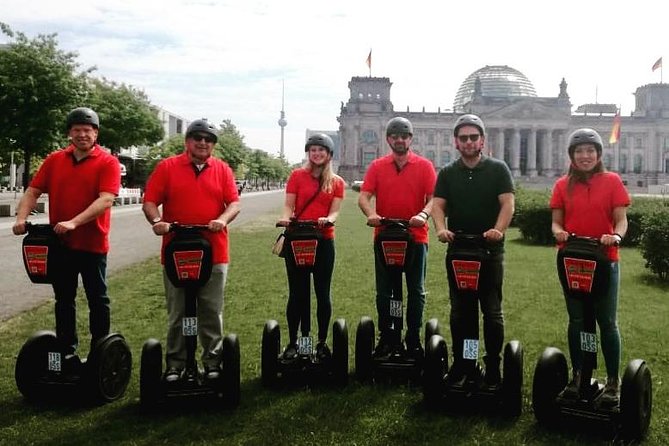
{"x": 127, "y": 118}
{"x": 231, "y": 147}
{"x": 172, "y": 146}
{"x": 39, "y": 85}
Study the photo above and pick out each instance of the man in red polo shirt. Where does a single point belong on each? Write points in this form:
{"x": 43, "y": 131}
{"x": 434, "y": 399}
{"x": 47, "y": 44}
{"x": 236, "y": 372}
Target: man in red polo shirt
{"x": 402, "y": 184}
{"x": 82, "y": 181}
{"x": 195, "y": 188}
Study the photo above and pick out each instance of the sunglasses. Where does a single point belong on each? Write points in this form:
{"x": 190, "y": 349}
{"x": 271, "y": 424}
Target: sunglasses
{"x": 473, "y": 138}
{"x": 400, "y": 135}
{"x": 199, "y": 137}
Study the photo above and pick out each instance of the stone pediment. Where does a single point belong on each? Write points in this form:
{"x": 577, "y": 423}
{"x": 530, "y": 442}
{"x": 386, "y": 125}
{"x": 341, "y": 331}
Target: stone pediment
{"x": 526, "y": 109}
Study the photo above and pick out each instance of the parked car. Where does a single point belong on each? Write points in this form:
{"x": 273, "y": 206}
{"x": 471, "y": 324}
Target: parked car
{"x": 356, "y": 185}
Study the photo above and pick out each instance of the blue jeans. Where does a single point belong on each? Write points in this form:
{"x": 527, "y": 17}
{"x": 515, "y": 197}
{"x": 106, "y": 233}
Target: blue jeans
{"x": 298, "y": 309}
{"x": 92, "y": 267}
{"x": 415, "y": 281}
{"x": 606, "y": 310}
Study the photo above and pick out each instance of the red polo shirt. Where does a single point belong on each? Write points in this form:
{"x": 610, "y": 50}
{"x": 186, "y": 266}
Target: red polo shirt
{"x": 304, "y": 186}
{"x": 588, "y": 207}
{"x": 72, "y": 186}
{"x": 401, "y": 193}
{"x": 191, "y": 198}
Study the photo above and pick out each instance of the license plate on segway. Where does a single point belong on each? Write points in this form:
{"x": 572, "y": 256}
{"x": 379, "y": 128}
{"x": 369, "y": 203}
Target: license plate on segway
{"x": 304, "y": 251}
{"x": 55, "y": 363}
{"x": 470, "y": 349}
{"x": 305, "y": 346}
{"x": 189, "y": 326}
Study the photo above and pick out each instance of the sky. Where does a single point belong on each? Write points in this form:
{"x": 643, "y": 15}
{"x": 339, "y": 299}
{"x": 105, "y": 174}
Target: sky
{"x": 222, "y": 59}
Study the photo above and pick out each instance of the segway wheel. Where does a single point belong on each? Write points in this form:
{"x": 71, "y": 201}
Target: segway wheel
{"x": 150, "y": 373}
{"x": 269, "y": 361}
{"x": 231, "y": 377}
{"x": 512, "y": 385}
{"x": 431, "y": 328}
{"x": 434, "y": 370}
{"x": 364, "y": 347}
{"x": 32, "y": 363}
{"x": 340, "y": 352}
{"x": 636, "y": 400}
{"x": 550, "y": 377}
{"x": 110, "y": 365}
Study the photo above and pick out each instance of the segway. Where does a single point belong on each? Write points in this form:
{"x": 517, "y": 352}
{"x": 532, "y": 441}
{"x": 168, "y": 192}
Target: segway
{"x": 583, "y": 270}
{"x": 188, "y": 264}
{"x": 469, "y": 261}
{"x": 394, "y": 241}
{"x": 301, "y": 243}
{"x": 43, "y": 370}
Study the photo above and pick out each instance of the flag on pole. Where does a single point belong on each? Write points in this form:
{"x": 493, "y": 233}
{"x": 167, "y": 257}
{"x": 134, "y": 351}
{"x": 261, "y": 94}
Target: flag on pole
{"x": 656, "y": 65}
{"x": 369, "y": 60}
{"x": 615, "y": 130}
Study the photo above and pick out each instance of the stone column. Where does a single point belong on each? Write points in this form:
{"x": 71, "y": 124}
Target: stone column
{"x": 499, "y": 144}
{"x": 547, "y": 154}
{"x": 532, "y": 153}
{"x": 515, "y": 152}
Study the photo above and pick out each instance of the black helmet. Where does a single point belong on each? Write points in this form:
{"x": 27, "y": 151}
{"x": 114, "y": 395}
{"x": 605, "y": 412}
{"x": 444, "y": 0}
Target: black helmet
{"x": 469, "y": 120}
{"x": 320, "y": 139}
{"x": 202, "y": 125}
{"x": 584, "y": 136}
{"x": 399, "y": 125}
{"x": 82, "y": 115}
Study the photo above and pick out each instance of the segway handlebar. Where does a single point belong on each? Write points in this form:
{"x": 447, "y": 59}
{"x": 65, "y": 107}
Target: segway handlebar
{"x": 591, "y": 240}
{"x": 176, "y": 227}
{"x": 303, "y": 224}
{"x": 396, "y": 222}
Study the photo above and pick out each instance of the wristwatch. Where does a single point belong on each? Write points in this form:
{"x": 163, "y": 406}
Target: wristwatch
{"x": 156, "y": 220}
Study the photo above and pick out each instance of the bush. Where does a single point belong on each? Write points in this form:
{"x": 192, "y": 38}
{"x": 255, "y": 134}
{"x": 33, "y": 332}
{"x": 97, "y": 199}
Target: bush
{"x": 655, "y": 241}
{"x": 533, "y": 216}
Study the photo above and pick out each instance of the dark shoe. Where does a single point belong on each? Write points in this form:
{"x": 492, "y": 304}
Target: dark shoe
{"x": 572, "y": 390}
{"x": 455, "y": 376}
{"x": 323, "y": 352}
{"x": 611, "y": 395}
{"x": 382, "y": 349}
{"x": 212, "y": 373}
{"x": 492, "y": 377}
{"x": 172, "y": 375}
{"x": 290, "y": 352}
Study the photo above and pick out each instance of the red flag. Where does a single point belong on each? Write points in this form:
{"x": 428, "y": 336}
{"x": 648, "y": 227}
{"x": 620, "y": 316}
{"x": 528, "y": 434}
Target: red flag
{"x": 369, "y": 60}
{"x": 657, "y": 64}
{"x": 615, "y": 130}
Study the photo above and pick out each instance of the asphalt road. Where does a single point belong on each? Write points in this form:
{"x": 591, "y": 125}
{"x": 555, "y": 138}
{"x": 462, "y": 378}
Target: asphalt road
{"x": 131, "y": 242}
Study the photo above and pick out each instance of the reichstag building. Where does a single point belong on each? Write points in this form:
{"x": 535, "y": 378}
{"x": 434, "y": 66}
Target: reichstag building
{"x": 528, "y": 132}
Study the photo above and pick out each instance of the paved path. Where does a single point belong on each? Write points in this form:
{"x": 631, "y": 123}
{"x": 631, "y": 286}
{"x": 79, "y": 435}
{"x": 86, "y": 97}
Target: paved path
{"x": 131, "y": 242}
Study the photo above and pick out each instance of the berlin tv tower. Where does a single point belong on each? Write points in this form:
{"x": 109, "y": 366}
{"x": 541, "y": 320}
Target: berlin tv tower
{"x": 282, "y": 121}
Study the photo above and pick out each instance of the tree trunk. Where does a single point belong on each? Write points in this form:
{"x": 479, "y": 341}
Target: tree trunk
{"x": 27, "y": 155}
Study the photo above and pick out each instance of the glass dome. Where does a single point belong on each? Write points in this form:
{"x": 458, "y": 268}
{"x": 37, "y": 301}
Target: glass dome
{"x": 496, "y": 81}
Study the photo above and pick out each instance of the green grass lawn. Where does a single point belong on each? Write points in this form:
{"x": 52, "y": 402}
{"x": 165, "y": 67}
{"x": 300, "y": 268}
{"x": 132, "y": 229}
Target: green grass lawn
{"x": 358, "y": 414}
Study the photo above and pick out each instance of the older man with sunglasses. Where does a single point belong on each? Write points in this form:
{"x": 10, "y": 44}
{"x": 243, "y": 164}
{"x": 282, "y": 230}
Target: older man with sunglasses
{"x": 474, "y": 195}
{"x": 402, "y": 183}
{"x": 195, "y": 188}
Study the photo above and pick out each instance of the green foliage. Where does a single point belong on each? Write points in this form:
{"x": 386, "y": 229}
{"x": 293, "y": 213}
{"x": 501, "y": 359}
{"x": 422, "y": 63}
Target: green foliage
{"x": 231, "y": 147}
{"x": 533, "y": 216}
{"x": 39, "y": 85}
{"x": 127, "y": 118}
{"x": 172, "y": 146}
{"x": 655, "y": 241}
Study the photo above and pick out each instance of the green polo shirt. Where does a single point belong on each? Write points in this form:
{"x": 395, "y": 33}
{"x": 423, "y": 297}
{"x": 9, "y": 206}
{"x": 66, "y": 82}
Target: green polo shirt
{"x": 472, "y": 194}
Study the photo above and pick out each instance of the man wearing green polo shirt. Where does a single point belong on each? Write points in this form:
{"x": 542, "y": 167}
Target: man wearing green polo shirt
{"x": 474, "y": 195}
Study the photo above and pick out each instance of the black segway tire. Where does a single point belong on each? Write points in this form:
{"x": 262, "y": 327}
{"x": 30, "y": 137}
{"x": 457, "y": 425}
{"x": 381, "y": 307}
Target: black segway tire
{"x": 431, "y": 328}
{"x": 512, "y": 384}
{"x": 550, "y": 377}
{"x": 109, "y": 367}
{"x": 434, "y": 370}
{"x": 636, "y": 400}
{"x": 340, "y": 352}
{"x": 31, "y": 363}
{"x": 269, "y": 360}
{"x": 150, "y": 373}
{"x": 231, "y": 385}
{"x": 364, "y": 348}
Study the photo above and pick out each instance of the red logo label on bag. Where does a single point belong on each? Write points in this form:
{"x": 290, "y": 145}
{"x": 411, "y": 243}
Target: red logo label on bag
{"x": 188, "y": 264}
{"x": 467, "y": 274}
{"x": 36, "y": 257}
{"x": 394, "y": 252}
{"x": 580, "y": 273}
{"x": 304, "y": 252}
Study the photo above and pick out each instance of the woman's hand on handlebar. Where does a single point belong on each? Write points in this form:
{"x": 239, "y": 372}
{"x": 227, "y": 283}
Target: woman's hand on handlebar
{"x": 324, "y": 221}
{"x": 283, "y": 222}
{"x": 561, "y": 236}
{"x": 609, "y": 239}
{"x": 417, "y": 221}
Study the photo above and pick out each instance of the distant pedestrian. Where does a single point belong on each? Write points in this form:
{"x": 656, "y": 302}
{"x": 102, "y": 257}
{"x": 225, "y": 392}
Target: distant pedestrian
{"x": 82, "y": 181}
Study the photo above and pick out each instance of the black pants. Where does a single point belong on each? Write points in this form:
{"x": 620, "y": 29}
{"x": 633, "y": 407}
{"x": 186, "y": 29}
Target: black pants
{"x": 92, "y": 267}
{"x": 298, "y": 310}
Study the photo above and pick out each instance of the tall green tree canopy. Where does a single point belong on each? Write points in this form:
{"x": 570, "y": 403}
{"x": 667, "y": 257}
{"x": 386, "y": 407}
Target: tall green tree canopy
{"x": 127, "y": 117}
{"x": 231, "y": 147}
{"x": 39, "y": 85}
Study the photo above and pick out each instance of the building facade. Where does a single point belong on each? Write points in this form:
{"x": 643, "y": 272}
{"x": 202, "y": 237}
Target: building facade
{"x": 528, "y": 132}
